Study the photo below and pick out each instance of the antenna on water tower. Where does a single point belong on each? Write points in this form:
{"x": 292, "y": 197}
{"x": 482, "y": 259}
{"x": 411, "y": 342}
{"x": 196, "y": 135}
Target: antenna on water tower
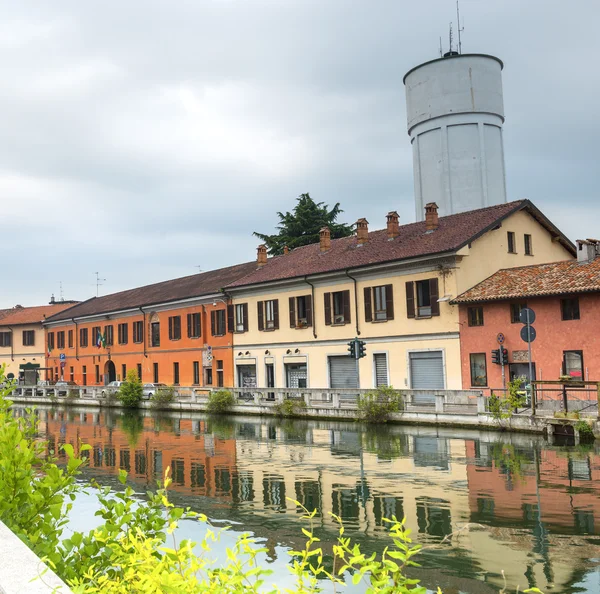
{"x": 441, "y": 50}
{"x": 450, "y": 36}
{"x": 460, "y": 29}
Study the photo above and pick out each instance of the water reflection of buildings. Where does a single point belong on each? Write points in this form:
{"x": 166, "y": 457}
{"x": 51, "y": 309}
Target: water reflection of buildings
{"x": 535, "y": 504}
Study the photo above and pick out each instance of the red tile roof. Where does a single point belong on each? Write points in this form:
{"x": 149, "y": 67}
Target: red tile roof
{"x": 454, "y": 232}
{"x": 196, "y": 285}
{"x": 556, "y": 278}
{"x": 32, "y": 315}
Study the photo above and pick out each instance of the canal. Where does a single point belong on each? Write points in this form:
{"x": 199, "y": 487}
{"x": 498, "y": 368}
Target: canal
{"x": 481, "y": 504}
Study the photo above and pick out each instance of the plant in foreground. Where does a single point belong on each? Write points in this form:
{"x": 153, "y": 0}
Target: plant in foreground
{"x": 131, "y": 391}
{"x": 378, "y": 405}
{"x": 290, "y": 407}
{"x": 220, "y": 402}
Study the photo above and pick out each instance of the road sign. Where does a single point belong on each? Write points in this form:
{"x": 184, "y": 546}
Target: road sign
{"x": 62, "y": 364}
{"x": 63, "y": 357}
{"x": 527, "y": 316}
{"x": 500, "y": 338}
{"x": 528, "y": 333}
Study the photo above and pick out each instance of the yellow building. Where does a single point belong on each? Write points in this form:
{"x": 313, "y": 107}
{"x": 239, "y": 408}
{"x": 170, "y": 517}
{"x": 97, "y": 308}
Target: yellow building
{"x": 293, "y": 317}
{"x": 22, "y": 337}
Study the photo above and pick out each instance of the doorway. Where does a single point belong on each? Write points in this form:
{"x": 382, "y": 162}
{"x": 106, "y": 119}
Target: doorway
{"x": 110, "y": 372}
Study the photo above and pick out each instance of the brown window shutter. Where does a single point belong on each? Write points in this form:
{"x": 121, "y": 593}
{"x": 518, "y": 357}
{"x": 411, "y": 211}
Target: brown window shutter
{"x": 292, "y": 312}
{"x": 410, "y": 299}
{"x": 368, "y": 305}
{"x": 199, "y": 324}
{"x": 309, "y": 314}
{"x": 261, "y": 315}
{"x": 245, "y": 317}
{"x": 327, "y": 298}
{"x": 230, "y": 324}
{"x": 389, "y": 301}
{"x": 170, "y": 328}
{"x": 276, "y": 314}
{"x": 346, "y": 298}
{"x": 434, "y": 296}
{"x": 213, "y": 322}
{"x": 189, "y": 323}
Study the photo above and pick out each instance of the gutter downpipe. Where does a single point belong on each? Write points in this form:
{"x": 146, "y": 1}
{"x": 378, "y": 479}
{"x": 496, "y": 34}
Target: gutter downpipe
{"x": 314, "y": 318}
{"x": 144, "y": 331}
{"x": 355, "y": 301}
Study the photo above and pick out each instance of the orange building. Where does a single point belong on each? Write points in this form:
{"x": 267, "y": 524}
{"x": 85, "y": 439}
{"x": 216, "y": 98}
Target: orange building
{"x": 175, "y": 332}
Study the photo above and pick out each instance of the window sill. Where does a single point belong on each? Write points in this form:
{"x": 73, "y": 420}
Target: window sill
{"x": 379, "y": 321}
{"x": 530, "y": 255}
{"x": 340, "y": 324}
{"x": 423, "y": 317}
{"x": 268, "y": 329}
{"x": 514, "y": 253}
{"x": 174, "y": 339}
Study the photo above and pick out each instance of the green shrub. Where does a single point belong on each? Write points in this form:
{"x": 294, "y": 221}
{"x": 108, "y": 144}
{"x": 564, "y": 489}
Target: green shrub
{"x": 290, "y": 407}
{"x": 586, "y": 433}
{"x": 377, "y": 406}
{"x": 162, "y": 396}
{"x": 72, "y": 394}
{"x": 220, "y": 402}
{"x": 131, "y": 392}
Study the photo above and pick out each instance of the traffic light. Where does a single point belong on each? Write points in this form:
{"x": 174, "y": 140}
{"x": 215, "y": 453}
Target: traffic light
{"x": 362, "y": 349}
{"x": 352, "y": 349}
{"x": 496, "y": 356}
{"x": 504, "y": 356}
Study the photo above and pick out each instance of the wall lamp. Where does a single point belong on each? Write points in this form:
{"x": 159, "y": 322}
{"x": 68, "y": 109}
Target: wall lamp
{"x": 247, "y": 353}
{"x": 218, "y": 299}
{"x": 266, "y": 352}
{"x": 297, "y": 351}
{"x": 240, "y": 354}
{"x": 288, "y": 352}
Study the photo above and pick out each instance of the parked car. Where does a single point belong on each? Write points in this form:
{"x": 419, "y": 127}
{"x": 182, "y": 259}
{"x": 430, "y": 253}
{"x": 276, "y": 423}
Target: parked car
{"x": 63, "y": 387}
{"x": 151, "y": 389}
{"x": 111, "y": 388}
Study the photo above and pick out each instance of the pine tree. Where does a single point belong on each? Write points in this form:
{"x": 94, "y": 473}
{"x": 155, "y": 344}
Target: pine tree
{"x": 302, "y": 225}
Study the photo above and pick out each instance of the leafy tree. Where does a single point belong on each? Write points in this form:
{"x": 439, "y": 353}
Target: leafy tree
{"x": 131, "y": 391}
{"x": 302, "y": 225}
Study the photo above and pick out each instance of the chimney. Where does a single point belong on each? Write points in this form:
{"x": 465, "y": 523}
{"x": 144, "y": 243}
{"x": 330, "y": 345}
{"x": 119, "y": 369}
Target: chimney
{"x": 286, "y": 250}
{"x": 362, "y": 231}
{"x": 393, "y": 227}
{"x": 431, "y": 216}
{"x": 52, "y": 300}
{"x": 325, "y": 239}
{"x": 587, "y": 250}
{"x": 261, "y": 259}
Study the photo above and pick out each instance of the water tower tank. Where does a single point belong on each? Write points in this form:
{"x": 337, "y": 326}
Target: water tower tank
{"x": 455, "y": 115}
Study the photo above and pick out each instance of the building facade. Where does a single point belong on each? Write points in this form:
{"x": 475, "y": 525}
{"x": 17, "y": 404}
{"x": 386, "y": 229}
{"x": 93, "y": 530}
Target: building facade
{"x": 565, "y": 297}
{"x": 293, "y": 317}
{"x": 174, "y": 332}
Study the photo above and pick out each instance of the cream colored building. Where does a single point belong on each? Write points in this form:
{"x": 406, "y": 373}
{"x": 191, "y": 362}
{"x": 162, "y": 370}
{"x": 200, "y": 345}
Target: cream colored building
{"x": 293, "y": 318}
{"x": 22, "y": 338}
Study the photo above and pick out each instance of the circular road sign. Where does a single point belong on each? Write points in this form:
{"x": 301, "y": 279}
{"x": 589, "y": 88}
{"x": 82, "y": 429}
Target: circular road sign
{"x": 524, "y": 313}
{"x": 500, "y": 338}
{"x": 528, "y": 333}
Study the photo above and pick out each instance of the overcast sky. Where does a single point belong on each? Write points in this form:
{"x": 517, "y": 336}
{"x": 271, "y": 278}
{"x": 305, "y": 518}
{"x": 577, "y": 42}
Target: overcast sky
{"x": 144, "y": 139}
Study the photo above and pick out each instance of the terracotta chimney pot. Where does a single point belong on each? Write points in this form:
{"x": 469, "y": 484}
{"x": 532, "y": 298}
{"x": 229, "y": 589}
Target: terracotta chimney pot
{"x": 261, "y": 252}
{"x": 325, "y": 239}
{"x": 393, "y": 225}
{"x": 431, "y": 216}
{"x": 362, "y": 231}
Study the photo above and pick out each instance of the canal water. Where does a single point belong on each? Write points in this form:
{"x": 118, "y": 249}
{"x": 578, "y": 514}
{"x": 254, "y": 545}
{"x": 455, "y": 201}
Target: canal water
{"x": 489, "y": 508}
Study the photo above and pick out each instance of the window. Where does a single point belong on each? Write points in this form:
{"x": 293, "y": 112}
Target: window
{"x": 337, "y": 308}
{"x": 478, "y": 370}
{"x": 28, "y": 337}
{"x": 84, "y": 374}
{"x": 97, "y": 374}
{"x": 380, "y": 368}
{"x": 155, "y": 334}
{"x": 139, "y": 371}
{"x": 95, "y": 335}
{"x": 176, "y": 373}
{"x": 268, "y": 314}
{"x": 71, "y": 374}
{"x": 241, "y": 317}
{"x": 515, "y": 312}
{"x": 123, "y": 333}
{"x": 475, "y": 315}
{"x": 6, "y": 338}
{"x": 155, "y": 369}
{"x": 196, "y": 380}
{"x": 379, "y": 303}
{"x": 83, "y": 337}
{"x": 217, "y": 322}
{"x": 208, "y": 376}
{"x": 174, "y": 327}
{"x": 528, "y": 245}
{"x": 60, "y": 339}
{"x": 220, "y": 379}
{"x": 50, "y": 341}
{"x": 510, "y": 236}
{"x": 70, "y": 339}
{"x": 573, "y": 364}
{"x": 109, "y": 338}
{"x": 570, "y": 308}
{"x": 138, "y": 332}
{"x": 193, "y": 325}
{"x": 422, "y": 298}
{"x": 301, "y": 311}
{"x": 123, "y": 372}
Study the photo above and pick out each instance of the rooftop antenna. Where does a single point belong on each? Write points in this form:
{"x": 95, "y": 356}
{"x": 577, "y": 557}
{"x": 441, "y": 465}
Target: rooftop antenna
{"x": 199, "y": 267}
{"x": 99, "y": 282}
{"x": 450, "y": 36}
{"x": 460, "y": 29}
{"x": 62, "y": 297}
{"x": 441, "y": 50}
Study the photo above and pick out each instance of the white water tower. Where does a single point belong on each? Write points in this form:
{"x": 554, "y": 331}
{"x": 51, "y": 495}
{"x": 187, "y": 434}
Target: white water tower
{"x": 455, "y": 115}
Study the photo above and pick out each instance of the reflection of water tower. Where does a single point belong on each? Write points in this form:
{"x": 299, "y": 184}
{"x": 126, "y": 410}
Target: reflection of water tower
{"x": 455, "y": 115}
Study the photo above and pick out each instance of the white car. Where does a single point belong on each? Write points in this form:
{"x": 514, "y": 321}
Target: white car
{"x": 151, "y": 389}
{"x": 111, "y": 388}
